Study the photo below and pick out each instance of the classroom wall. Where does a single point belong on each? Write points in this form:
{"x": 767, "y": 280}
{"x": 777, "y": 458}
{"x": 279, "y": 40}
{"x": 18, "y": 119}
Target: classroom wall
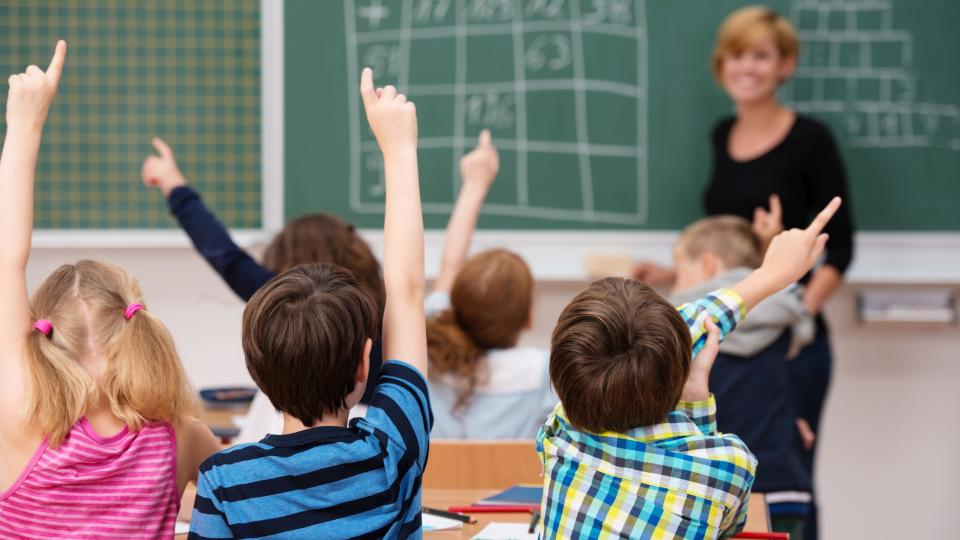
{"x": 889, "y": 440}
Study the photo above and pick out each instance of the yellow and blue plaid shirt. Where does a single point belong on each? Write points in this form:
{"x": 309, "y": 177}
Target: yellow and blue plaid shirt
{"x": 676, "y": 479}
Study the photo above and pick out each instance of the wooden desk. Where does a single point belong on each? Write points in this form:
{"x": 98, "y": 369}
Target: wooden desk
{"x": 757, "y": 518}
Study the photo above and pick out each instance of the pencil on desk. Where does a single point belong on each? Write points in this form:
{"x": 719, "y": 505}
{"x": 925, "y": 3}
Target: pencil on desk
{"x": 533, "y": 522}
{"x": 450, "y": 515}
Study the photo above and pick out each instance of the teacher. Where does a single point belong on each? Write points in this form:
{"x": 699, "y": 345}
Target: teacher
{"x": 777, "y": 168}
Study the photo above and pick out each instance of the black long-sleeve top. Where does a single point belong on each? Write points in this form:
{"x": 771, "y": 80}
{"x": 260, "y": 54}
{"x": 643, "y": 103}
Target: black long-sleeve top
{"x": 804, "y": 169}
{"x": 237, "y": 268}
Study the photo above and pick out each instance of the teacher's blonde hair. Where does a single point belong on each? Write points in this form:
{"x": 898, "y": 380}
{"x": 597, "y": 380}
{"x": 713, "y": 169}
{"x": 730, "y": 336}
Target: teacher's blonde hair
{"x": 746, "y": 27}
{"x": 142, "y": 378}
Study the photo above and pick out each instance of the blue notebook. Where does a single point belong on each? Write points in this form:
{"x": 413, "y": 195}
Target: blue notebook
{"x": 517, "y": 495}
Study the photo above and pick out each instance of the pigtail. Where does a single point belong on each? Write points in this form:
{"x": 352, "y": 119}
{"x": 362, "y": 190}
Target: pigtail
{"x": 145, "y": 381}
{"x": 453, "y": 354}
{"x": 60, "y": 390}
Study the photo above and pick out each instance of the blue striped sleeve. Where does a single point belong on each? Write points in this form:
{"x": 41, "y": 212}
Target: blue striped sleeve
{"x": 724, "y": 306}
{"x": 400, "y": 408}
{"x": 208, "y": 519}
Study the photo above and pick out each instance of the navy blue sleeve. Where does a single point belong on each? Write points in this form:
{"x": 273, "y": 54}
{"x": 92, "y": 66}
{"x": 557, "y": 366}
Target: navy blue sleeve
{"x": 211, "y": 239}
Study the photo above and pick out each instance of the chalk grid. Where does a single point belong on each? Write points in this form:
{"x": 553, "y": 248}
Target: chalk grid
{"x": 855, "y": 65}
{"x": 185, "y": 70}
{"x": 499, "y": 64}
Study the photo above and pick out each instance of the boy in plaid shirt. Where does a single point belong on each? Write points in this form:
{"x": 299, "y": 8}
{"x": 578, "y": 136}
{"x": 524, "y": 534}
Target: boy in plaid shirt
{"x": 632, "y": 448}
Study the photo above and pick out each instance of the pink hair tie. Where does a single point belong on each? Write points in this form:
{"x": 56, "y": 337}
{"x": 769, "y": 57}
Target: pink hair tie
{"x": 44, "y": 326}
{"x": 131, "y": 310}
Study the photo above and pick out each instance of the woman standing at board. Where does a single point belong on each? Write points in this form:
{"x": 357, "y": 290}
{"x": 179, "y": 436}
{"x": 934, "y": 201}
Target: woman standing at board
{"x": 765, "y": 155}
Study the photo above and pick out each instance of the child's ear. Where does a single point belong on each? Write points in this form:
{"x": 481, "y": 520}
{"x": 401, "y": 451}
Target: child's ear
{"x": 363, "y": 369}
{"x": 711, "y": 265}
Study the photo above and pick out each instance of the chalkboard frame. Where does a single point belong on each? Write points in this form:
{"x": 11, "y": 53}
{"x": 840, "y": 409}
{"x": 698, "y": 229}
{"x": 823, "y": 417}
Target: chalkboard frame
{"x": 272, "y": 148}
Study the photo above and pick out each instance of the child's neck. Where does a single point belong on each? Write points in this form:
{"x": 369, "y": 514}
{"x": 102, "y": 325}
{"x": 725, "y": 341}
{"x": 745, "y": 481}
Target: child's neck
{"x": 293, "y": 425}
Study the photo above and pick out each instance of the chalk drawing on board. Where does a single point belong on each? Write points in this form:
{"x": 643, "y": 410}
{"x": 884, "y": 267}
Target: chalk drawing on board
{"x": 856, "y": 66}
{"x": 547, "y": 47}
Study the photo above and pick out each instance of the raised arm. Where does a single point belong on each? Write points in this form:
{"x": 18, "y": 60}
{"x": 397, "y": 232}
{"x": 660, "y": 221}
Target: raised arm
{"x": 210, "y": 238}
{"x": 478, "y": 169}
{"x": 28, "y": 102}
{"x": 393, "y": 121}
{"x": 791, "y": 254}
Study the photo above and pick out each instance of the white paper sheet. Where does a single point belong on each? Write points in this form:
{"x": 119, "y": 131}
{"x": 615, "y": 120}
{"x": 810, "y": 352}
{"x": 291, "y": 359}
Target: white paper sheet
{"x": 439, "y": 523}
{"x": 506, "y": 531}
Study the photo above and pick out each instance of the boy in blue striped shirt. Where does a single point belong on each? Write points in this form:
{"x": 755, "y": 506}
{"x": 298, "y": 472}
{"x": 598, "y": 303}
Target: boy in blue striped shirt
{"x": 307, "y": 336}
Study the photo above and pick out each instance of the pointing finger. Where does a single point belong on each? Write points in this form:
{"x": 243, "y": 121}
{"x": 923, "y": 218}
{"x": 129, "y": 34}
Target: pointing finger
{"x": 162, "y": 147}
{"x": 819, "y": 222}
{"x": 367, "y": 93}
{"x": 775, "y": 209}
{"x": 56, "y": 64}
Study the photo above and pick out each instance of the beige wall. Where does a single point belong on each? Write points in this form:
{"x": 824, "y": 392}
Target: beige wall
{"x": 889, "y": 444}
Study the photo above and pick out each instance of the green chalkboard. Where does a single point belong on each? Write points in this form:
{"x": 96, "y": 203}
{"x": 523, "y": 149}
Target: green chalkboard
{"x": 186, "y": 70}
{"x": 601, "y": 108}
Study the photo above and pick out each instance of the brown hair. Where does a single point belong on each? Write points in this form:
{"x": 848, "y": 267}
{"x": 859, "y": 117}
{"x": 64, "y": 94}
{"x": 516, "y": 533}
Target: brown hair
{"x": 619, "y": 358}
{"x": 490, "y": 305}
{"x": 304, "y": 334}
{"x": 143, "y": 380}
{"x": 325, "y": 238}
{"x": 746, "y": 27}
{"x": 731, "y": 238}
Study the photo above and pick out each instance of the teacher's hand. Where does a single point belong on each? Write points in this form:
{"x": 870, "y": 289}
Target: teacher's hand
{"x": 653, "y": 274}
{"x": 767, "y": 224}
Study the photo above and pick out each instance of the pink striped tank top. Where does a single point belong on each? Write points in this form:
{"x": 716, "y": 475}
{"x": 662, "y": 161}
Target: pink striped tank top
{"x": 123, "y": 486}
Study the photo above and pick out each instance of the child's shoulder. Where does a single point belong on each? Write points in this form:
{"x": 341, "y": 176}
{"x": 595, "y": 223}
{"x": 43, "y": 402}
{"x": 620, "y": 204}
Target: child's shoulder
{"x": 235, "y": 454}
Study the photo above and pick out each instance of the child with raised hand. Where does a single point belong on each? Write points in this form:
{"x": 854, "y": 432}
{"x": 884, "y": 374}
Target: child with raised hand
{"x": 632, "y": 449}
{"x": 97, "y": 436}
{"x": 720, "y": 251}
{"x": 313, "y": 238}
{"x": 306, "y": 338}
{"x": 477, "y": 311}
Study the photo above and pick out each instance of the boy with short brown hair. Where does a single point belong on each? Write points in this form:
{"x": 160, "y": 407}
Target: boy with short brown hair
{"x": 307, "y": 336}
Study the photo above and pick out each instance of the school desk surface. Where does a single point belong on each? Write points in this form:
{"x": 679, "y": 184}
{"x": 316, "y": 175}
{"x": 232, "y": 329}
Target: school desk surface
{"x": 757, "y": 518}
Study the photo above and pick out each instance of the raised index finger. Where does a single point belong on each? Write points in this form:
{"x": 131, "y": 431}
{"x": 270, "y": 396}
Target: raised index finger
{"x": 162, "y": 147}
{"x": 56, "y": 64}
{"x": 775, "y": 209}
{"x": 819, "y": 222}
{"x": 367, "y": 93}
